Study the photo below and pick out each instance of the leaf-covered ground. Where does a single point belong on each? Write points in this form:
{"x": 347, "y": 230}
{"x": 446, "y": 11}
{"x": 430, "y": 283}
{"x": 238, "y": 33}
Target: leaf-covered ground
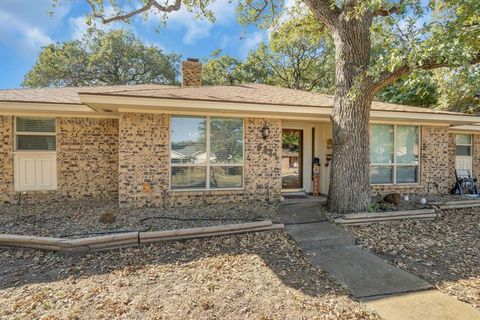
{"x": 81, "y": 218}
{"x": 251, "y": 276}
{"x": 445, "y": 252}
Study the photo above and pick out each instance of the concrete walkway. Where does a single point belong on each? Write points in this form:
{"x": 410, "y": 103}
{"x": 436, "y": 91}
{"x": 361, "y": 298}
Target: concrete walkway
{"x": 381, "y": 285}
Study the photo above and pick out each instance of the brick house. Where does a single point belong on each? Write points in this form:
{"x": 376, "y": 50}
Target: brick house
{"x": 150, "y": 144}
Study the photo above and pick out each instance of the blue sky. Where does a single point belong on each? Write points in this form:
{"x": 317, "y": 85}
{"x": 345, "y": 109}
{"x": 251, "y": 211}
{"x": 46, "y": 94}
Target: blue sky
{"x": 26, "y": 26}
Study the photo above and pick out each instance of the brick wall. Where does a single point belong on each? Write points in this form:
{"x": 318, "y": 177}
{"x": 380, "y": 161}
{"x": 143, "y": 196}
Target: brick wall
{"x": 144, "y": 145}
{"x": 87, "y": 157}
{"x": 143, "y": 157}
{"x": 87, "y": 161}
{"x": 437, "y": 163}
{"x": 476, "y": 155}
{"x": 6, "y": 159}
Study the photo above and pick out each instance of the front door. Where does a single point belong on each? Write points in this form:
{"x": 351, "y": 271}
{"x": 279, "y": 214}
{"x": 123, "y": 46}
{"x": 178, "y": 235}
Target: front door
{"x": 292, "y": 159}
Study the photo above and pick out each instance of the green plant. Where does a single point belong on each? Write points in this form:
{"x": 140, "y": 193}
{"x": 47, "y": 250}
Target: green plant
{"x": 374, "y": 207}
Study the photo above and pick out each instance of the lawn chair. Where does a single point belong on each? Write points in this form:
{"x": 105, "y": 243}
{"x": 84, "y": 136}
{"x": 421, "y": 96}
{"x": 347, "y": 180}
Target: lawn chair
{"x": 465, "y": 183}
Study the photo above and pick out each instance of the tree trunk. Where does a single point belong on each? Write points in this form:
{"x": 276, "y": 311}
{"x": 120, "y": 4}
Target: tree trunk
{"x": 350, "y": 176}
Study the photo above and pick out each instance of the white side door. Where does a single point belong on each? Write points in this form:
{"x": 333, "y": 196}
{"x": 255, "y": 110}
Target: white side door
{"x": 463, "y": 152}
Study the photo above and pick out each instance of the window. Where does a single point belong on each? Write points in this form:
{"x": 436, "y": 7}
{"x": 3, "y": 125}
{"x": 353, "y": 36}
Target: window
{"x": 35, "y": 165}
{"x": 463, "y": 145}
{"x": 394, "y": 154}
{"x": 206, "y": 153}
{"x": 37, "y": 134}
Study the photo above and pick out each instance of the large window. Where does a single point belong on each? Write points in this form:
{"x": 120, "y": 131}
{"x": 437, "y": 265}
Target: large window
{"x": 206, "y": 153}
{"x": 394, "y": 154}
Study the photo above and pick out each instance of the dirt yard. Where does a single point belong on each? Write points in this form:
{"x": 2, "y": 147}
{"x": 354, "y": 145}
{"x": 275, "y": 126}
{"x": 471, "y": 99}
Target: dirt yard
{"x": 82, "y": 218}
{"x": 250, "y": 276}
{"x": 445, "y": 252}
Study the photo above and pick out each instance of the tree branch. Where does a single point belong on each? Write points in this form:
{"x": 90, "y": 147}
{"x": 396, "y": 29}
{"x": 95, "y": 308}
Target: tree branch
{"x": 150, "y": 4}
{"x": 394, "y": 9}
{"x": 388, "y": 77}
{"x": 326, "y": 11}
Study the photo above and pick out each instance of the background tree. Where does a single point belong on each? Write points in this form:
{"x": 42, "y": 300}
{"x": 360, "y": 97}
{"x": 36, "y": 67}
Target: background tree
{"x": 116, "y": 57}
{"x": 299, "y": 55}
{"x": 448, "y": 36}
{"x": 222, "y": 70}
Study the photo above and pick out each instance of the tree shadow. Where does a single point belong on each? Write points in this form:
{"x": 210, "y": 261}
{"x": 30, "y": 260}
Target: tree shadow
{"x": 278, "y": 253}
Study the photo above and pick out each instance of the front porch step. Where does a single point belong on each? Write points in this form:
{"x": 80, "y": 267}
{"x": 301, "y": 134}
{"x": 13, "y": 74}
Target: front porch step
{"x": 320, "y": 235}
{"x": 294, "y": 195}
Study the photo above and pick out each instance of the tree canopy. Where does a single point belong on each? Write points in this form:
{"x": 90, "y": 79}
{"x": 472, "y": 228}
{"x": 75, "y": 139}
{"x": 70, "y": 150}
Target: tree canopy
{"x": 102, "y": 58}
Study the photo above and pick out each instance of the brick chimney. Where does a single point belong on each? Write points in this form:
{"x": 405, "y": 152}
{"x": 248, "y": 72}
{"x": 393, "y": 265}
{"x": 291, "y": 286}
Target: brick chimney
{"x": 191, "y": 73}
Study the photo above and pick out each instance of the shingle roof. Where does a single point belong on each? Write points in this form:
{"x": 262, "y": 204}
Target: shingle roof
{"x": 64, "y": 95}
{"x": 247, "y": 93}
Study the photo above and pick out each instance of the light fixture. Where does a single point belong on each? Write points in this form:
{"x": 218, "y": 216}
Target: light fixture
{"x": 265, "y": 131}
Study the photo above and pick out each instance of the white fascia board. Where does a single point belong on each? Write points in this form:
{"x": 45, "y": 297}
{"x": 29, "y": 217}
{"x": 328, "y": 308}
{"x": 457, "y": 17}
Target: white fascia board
{"x": 424, "y": 117}
{"x": 15, "y": 108}
{"x": 165, "y": 105}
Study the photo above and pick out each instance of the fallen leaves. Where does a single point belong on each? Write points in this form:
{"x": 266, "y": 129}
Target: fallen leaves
{"x": 250, "y": 276}
{"x": 445, "y": 252}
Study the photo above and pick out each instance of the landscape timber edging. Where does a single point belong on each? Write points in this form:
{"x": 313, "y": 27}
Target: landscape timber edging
{"x": 129, "y": 239}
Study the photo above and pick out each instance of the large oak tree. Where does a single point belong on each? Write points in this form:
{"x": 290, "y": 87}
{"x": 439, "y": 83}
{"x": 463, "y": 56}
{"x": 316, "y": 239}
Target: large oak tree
{"x": 413, "y": 34}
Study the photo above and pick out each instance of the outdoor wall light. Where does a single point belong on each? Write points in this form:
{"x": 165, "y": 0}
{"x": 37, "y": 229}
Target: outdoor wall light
{"x": 265, "y": 131}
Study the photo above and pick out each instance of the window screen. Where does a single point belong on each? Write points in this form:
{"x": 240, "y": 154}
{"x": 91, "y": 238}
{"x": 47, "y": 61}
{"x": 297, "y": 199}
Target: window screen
{"x": 35, "y": 134}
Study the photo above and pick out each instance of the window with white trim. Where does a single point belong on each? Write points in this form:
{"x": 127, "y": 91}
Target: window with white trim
{"x": 206, "y": 153}
{"x": 35, "y": 134}
{"x": 35, "y": 167}
{"x": 463, "y": 145}
{"x": 394, "y": 154}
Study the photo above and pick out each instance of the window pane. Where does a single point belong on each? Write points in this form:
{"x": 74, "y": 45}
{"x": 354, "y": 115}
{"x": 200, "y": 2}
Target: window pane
{"x": 407, "y": 174}
{"x": 188, "y": 140}
{"x": 35, "y": 125}
{"x": 463, "y": 151}
{"x": 226, "y": 177}
{"x": 463, "y": 139}
{"x": 407, "y": 146}
{"x": 36, "y": 143}
{"x": 189, "y": 177}
{"x": 226, "y": 140}
{"x": 381, "y": 174}
{"x": 381, "y": 149}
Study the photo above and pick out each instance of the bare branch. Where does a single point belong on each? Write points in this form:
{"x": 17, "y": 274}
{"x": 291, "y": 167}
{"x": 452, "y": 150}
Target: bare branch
{"x": 150, "y": 4}
{"x": 383, "y": 12}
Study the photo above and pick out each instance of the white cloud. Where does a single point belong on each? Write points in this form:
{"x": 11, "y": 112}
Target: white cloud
{"x": 79, "y": 26}
{"x": 19, "y": 34}
{"x": 251, "y": 41}
{"x": 196, "y": 28}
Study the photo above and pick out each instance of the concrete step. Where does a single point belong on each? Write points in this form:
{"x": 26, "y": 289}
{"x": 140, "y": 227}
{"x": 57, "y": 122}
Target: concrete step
{"x": 320, "y": 235}
{"x": 423, "y": 305}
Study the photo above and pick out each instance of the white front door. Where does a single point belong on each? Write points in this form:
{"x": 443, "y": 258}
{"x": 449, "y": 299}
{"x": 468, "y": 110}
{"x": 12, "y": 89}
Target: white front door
{"x": 463, "y": 152}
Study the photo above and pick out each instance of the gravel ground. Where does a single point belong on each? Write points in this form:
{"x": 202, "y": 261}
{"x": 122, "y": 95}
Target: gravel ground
{"x": 252, "y": 276}
{"x": 80, "y": 219}
{"x": 445, "y": 252}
